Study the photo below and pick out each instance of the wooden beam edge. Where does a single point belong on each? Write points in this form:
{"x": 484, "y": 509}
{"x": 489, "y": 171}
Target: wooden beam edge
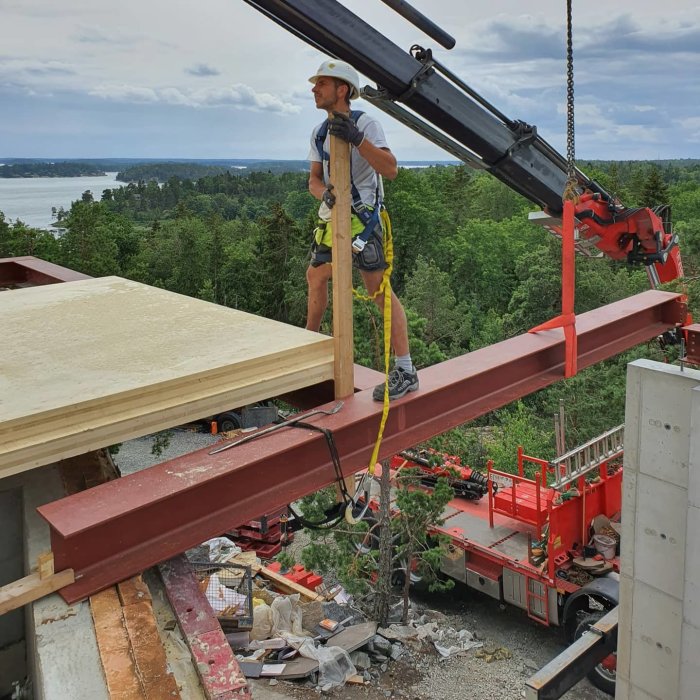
{"x": 30, "y": 588}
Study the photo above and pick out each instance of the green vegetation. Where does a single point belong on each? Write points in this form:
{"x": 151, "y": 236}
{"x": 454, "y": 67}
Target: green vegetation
{"x": 62, "y": 169}
{"x": 470, "y": 269}
{"x": 161, "y": 172}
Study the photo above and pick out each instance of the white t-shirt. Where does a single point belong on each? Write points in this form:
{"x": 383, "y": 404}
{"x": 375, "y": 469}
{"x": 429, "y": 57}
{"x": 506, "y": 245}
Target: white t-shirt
{"x": 363, "y": 174}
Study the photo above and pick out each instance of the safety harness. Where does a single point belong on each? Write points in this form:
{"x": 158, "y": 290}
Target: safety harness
{"x": 353, "y": 509}
{"x": 368, "y": 216}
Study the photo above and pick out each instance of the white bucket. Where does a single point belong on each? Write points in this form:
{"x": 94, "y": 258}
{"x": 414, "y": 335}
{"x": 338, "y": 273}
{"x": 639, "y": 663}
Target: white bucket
{"x": 605, "y": 545}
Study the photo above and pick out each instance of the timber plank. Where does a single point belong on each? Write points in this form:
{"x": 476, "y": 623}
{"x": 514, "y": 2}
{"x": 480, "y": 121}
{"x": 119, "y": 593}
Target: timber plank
{"x": 93, "y": 362}
{"x": 286, "y": 584}
{"x": 31, "y": 588}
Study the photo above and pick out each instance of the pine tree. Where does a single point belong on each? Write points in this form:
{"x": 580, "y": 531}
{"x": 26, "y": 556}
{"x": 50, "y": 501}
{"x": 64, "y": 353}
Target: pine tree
{"x": 415, "y": 549}
{"x": 655, "y": 190}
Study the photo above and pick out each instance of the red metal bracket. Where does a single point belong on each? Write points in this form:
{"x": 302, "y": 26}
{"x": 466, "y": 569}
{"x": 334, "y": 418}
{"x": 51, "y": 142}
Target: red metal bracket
{"x": 567, "y": 319}
{"x": 120, "y": 528}
{"x": 692, "y": 347}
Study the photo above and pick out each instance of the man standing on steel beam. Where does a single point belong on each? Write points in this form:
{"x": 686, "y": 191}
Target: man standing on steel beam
{"x": 335, "y": 84}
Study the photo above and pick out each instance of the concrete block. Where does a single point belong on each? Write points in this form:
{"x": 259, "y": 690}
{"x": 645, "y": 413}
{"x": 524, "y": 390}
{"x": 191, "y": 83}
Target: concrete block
{"x": 656, "y": 642}
{"x": 659, "y": 539}
{"x": 664, "y": 418}
{"x": 629, "y": 520}
{"x": 694, "y": 451}
{"x": 633, "y": 407}
{"x": 638, "y": 694}
{"x": 690, "y": 663}
{"x": 67, "y": 662}
{"x": 624, "y": 627}
{"x": 61, "y": 639}
{"x": 691, "y": 608}
{"x": 622, "y": 687}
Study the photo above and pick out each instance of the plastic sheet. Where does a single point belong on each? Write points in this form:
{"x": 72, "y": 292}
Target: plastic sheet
{"x": 286, "y": 616}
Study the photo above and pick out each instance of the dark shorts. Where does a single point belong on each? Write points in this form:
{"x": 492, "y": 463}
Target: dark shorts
{"x": 369, "y": 260}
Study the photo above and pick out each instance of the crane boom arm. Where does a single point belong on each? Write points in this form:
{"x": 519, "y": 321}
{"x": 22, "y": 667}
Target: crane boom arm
{"x": 448, "y": 112}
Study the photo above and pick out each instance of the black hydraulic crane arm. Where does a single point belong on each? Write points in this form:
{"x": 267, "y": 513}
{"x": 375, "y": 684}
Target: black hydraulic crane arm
{"x": 452, "y": 115}
{"x": 510, "y": 151}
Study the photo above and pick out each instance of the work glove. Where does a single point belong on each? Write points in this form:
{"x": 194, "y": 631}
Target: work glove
{"x": 328, "y": 196}
{"x": 342, "y": 126}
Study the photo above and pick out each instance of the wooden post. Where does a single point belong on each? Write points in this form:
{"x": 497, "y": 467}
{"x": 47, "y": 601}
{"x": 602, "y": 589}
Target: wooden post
{"x": 342, "y": 275}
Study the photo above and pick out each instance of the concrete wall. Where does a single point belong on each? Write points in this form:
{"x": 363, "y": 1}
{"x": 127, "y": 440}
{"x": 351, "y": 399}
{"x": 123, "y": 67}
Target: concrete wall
{"x": 13, "y": 665}
{"x": 659, "y": 629}
{"x": 62, "y": 660}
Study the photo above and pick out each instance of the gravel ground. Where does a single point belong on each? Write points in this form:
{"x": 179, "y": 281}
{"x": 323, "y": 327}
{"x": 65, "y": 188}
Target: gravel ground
{"x": 420, "y": 673}
{"x": 135, "y": 455}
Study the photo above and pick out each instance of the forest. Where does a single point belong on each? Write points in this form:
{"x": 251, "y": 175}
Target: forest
{"x": 470, "y": 269}
{"x": 40, "y": 169}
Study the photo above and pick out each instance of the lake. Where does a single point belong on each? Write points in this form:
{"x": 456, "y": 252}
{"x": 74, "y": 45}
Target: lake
{"x": 30, "y": 199}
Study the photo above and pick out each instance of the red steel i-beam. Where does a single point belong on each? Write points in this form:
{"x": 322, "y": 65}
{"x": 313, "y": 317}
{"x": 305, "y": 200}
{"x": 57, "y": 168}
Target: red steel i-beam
{"x": 122, "y": 527}
{"x": 28, "y": 271}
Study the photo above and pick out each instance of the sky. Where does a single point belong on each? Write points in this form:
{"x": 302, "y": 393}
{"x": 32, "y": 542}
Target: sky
{"x": 217, "y": 79}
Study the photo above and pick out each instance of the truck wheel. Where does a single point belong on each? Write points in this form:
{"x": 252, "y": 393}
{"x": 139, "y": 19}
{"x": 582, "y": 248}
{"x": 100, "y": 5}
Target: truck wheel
{"x": 604, "y": 674}
{"x": 228, "y": 421}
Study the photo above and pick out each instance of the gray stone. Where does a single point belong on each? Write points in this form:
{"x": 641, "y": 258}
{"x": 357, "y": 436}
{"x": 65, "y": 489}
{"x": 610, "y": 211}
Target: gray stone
{"x": 381, "y": 644}
{"x": 530, "y": 663}
{"x": 396, "y": 651}
{"x": 273, "y": 681}
{"x": 384, "y": 668}
{"x": 360, "y": 660}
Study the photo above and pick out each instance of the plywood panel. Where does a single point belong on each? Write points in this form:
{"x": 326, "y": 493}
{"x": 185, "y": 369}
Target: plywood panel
{"x": 89, "y": 363}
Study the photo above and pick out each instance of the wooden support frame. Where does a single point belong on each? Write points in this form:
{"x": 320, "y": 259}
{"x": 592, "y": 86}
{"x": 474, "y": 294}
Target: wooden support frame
{"x": 342, "y": 268}
{"x": 341, "y": 214}
{"x": 37, "y": 585}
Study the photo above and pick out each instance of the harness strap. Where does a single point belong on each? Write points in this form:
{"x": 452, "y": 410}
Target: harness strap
{"x": 370, "y": 218}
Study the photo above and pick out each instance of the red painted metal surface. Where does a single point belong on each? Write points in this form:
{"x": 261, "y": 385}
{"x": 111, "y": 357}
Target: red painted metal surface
{"x": 28, "y": 271}
{"x": 567, "y": 319}
{"x": 692, "y": 347}
{"x": 218, "y": 669}
{"x": 122, "y": 527}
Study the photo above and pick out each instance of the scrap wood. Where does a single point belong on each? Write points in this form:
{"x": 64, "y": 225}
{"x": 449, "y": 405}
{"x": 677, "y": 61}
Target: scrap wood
{"x": 131, "y": 651}
{"x": 285, "y": 584}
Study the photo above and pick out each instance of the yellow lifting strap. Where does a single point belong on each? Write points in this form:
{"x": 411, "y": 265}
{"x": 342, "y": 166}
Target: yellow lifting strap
{"x": 385, "y": 288}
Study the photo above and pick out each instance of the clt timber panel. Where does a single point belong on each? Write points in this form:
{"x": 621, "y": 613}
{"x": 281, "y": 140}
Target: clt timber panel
{"x": 90, "y": 363}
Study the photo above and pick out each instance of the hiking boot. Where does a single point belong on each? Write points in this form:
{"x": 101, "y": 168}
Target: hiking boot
{"x": 400, "y": 383}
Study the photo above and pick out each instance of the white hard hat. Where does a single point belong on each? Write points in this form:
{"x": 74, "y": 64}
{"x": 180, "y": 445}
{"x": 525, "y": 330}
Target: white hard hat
{"x": 341, "y": 70}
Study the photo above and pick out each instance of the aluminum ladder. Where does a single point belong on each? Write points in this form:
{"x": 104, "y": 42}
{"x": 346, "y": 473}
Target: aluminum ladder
{"x": 581, "y": 460}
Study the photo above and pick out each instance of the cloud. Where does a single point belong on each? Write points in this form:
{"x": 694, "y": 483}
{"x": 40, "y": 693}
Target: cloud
{"x": 97, "y": 35}
{"x": 237, "y": 96}
{"x": 691, "y": 126}
{"x": 12, "y": 69}
{"x": 511, "y": 39}
{"x": 125, "y": 93}
{"x": 202, "y": 70}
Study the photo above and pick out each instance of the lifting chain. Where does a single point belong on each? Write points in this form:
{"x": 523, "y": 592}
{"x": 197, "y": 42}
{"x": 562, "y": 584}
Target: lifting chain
{"x": 570, "y": 190}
